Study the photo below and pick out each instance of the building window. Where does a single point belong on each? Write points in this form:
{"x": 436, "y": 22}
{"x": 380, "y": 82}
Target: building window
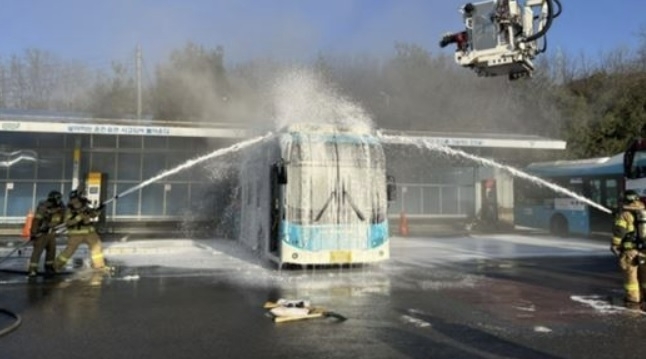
{"x": 129, "y": 167}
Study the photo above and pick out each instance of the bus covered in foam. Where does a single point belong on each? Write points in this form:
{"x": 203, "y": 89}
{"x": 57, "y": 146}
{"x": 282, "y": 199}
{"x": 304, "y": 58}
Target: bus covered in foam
{"x": 316, "y": 195}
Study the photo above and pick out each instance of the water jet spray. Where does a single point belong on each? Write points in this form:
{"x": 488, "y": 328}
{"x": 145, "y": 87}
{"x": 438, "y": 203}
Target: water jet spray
{"x": 190, "y": 163}
{"x": 420, "y": 142}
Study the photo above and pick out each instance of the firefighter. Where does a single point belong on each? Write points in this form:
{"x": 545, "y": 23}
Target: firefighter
{"x": 627, "y": 244}
{"x": 49, "y": 214}
{"x": 80, "y": 229}
{"x": 461, "y": 39}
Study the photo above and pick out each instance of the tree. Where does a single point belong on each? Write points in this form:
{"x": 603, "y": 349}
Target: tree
{"x": 605, "y": 111}
{"x": 72, "y": 90}
{"x": 39, "y": 80}
{"x": 433, "y": 93}
{"x": 18, "y": 83}
{"x": 114, "y": 95}
{"x": 192, "y": 86}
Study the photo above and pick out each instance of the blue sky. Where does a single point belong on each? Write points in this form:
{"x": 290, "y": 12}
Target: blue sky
{"x": 98, "y": 31}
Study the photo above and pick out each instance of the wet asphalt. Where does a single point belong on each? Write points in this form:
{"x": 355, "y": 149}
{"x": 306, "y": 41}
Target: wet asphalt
{"x": 484, "y": 308}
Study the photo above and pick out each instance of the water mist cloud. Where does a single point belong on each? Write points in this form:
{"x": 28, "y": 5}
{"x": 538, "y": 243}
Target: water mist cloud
{"x": 300, "y": 95}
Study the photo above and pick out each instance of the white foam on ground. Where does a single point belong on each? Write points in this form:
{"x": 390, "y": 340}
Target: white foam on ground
{"x": 542, "y": 329}
{"x": 598, "y": 303}
{"x": 220, "y": 254}
{"x": 415, "y": 321}
{"x": 228, "y": 259}
{"x": 432, "y": 251}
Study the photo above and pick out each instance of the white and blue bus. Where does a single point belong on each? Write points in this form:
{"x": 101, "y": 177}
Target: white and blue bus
{"x": 598, "y": 179}
{"x": 316, "y": 195}
{"x": 635, "y": 167}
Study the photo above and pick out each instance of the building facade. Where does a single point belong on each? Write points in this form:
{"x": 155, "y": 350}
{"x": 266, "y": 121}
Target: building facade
{"x": 40, "y": 154}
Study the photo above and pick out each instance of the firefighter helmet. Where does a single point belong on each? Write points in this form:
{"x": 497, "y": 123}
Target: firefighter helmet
{"x": 74, "y": 194}
{"x": 55, "y": 197}
{"x": 630, "y": 196}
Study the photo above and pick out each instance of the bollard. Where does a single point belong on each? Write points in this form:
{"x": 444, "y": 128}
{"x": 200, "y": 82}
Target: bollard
{"x": 26, "y": 228}
{"x": 403, "y": 224}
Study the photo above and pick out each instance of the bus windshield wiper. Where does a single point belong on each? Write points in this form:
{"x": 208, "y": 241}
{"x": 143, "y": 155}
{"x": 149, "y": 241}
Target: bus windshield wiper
{"x": 325, "y": 206}
{"x": 346, "y": 196}
{"x": 354, "y": 206}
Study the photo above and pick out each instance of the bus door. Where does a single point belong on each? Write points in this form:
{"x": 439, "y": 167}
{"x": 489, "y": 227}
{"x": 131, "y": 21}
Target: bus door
{"x": 604, "y": 191}
{"x": 278, "y": 179}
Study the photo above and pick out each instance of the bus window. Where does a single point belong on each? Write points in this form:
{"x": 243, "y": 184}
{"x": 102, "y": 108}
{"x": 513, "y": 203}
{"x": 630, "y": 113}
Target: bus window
{"x": 529, "y": 193}
{"x": 640, "y": 164}
{"x": 575, "y": 185}
{"x": 635, "y": 161}
{"x": 612, "y": 193}
{"x": 594, "y": 190}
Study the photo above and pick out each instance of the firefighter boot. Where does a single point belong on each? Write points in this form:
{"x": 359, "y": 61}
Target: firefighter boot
{"x": 50, "y": 270}
{"x": 632, "y": 305}
{"x": 32, "y": 271}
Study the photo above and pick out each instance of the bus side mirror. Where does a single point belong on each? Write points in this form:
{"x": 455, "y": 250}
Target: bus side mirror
{"x": 281, "y": 172}
{"x": 391, "y": 188}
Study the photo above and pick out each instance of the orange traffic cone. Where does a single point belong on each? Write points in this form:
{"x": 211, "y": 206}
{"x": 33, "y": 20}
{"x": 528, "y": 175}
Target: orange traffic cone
{"x": 403, "y": 224}
{"x": 26, "y": 228}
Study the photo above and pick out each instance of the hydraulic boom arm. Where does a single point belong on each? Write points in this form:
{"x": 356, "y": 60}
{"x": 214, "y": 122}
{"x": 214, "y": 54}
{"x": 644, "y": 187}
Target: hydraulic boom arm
{"x": 502, "y": 37}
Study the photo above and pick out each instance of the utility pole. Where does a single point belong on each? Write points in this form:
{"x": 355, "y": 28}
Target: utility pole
{"x": 138, "y": 62}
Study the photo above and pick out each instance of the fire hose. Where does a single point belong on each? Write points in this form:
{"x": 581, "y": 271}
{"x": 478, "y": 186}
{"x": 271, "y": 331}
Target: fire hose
{"x": 21, "y": 246}
{"x": 18, "y": 320}
{"x": 14, "y": 325}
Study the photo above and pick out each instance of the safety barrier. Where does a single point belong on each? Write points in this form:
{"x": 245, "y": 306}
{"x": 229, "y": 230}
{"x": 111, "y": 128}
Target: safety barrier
{"x": 26, "y": 228}
{"x": 403, "y": 224}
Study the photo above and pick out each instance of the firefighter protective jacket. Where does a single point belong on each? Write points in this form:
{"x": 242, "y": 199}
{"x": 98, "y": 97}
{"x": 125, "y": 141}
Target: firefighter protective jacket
{"x": 79, "y": 215}
{"x": 47, "y": 216}
{"x": 623, "y": 230}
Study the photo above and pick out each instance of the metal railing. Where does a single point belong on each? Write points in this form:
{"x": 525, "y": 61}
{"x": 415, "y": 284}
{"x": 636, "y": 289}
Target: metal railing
{"x": 427, "y": 200}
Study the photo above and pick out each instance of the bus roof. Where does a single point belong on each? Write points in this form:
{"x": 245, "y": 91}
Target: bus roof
{"x": 586, "y": 167}
{"x": 328, "y": 128}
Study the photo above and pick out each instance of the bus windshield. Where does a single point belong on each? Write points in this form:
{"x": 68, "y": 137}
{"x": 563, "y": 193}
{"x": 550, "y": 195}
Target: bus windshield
{"x": 635, "y": 160}
{"x": 354, "y": 154}
{"x": 336, "y": 183}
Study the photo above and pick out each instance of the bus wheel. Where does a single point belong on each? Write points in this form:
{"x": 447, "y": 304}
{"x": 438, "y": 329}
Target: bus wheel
{"x": 558, "y": 226}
